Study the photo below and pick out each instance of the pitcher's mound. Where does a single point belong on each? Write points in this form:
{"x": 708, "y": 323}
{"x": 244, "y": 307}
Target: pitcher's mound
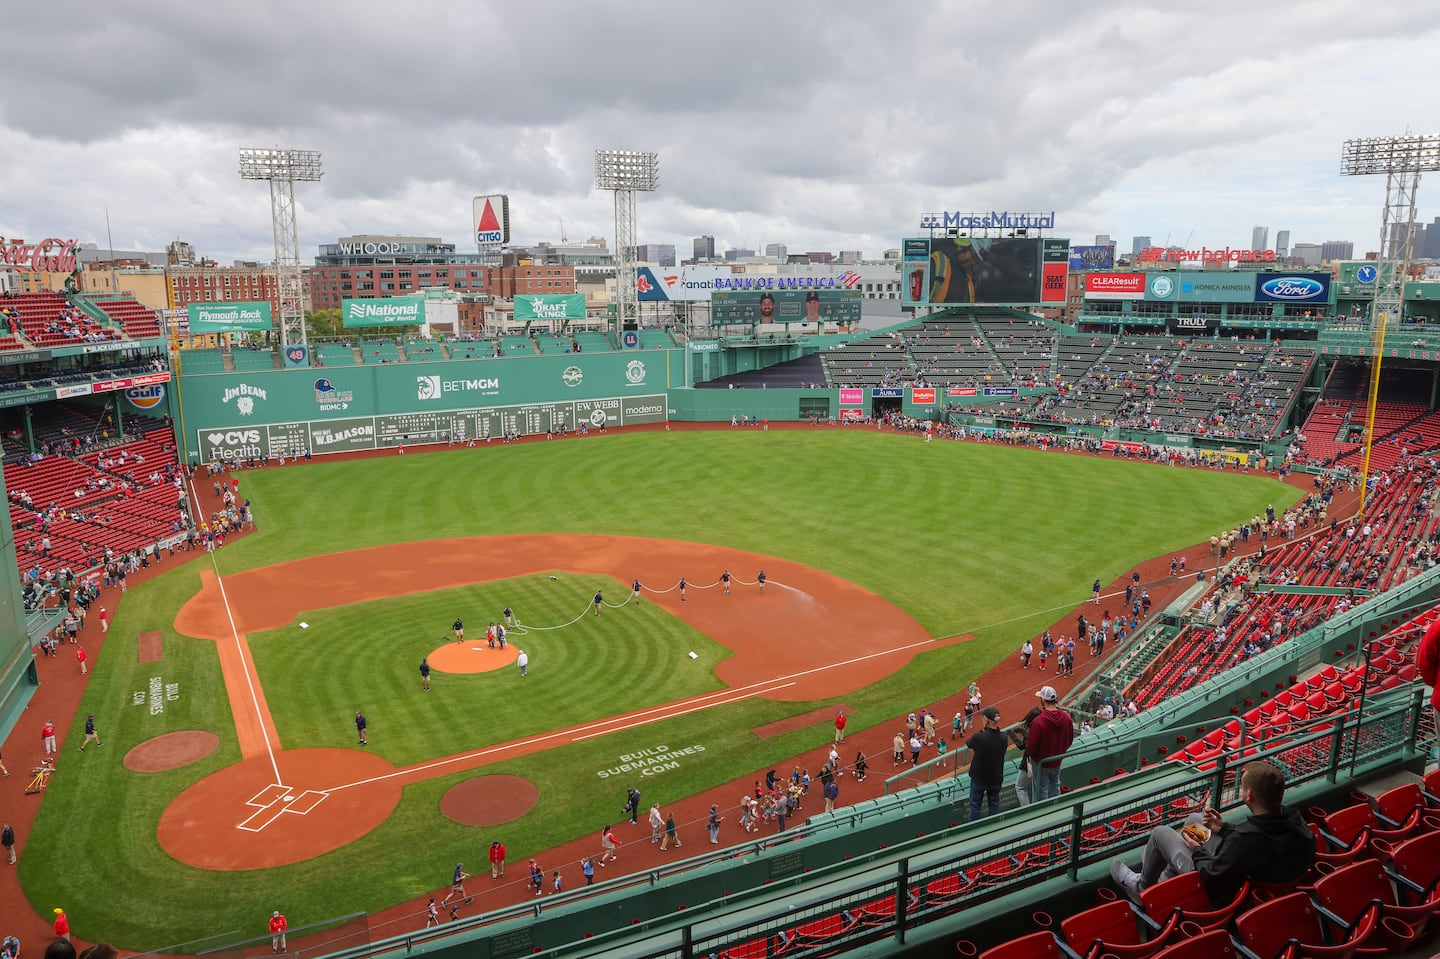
{"x": 171, "y": 751}
{"x": 489, "y": 800}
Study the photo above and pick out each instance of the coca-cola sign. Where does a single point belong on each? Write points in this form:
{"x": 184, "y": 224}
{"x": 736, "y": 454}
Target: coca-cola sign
{"x": 51, "y": 255}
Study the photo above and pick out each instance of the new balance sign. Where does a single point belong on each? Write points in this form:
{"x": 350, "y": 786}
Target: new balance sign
{"x": 395, "y": 311}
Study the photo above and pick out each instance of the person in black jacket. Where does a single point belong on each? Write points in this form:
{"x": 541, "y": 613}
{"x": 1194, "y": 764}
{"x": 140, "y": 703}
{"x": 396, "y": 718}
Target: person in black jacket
{"x": 1273, "y": 845}
{"x": 987, "y": 763}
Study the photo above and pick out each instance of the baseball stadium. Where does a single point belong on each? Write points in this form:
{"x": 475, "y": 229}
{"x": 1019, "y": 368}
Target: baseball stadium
{"x": 319, "y": 631}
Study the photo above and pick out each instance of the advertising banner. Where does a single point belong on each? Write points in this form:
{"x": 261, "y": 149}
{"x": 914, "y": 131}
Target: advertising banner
{"x": 550, "y": 306}
{"x": 1209, "y": 286}
{"x": 733, "y": 307}
{"x": 229, "y": 317}
{"x": 492, "y": 219}
{"x": 1292, "y": 288}
{"x": 922, "y": 396}
{"x": 669, "y": 283}
{"x": 852, "y": 396}
{"x": 887, "y": 392}
{"x": 851, "y": 415}
{"x": 391, "y": 311}
{"x": 1115, "y": 286}
{"x": 961, "y": 391}
{"x": 961, "y": 270}
{"x": 1092, "y": 258}
{"x": 1180, "y": 325}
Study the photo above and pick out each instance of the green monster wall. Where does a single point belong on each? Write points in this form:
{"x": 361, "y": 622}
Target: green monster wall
{"x": 338, "y": 409}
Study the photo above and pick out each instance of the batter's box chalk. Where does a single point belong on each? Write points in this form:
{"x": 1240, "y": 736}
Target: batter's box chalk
{"x": 268, "y": 795}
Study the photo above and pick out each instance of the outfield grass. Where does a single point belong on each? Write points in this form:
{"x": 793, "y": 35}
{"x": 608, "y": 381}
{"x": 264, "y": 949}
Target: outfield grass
{"x": 966, "y": 538}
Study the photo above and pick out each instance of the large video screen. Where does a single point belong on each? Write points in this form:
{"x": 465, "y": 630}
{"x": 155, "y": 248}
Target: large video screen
{"x": 731, "y": 307}
{"x": 1016, "y": 271}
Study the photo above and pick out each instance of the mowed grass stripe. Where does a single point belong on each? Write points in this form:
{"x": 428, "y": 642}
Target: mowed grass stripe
{"x": 960, "y": 536}
{"x": 366, "y": 656}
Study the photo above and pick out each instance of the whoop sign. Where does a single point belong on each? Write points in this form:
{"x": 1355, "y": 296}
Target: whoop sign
{"x": 394, "y": 311}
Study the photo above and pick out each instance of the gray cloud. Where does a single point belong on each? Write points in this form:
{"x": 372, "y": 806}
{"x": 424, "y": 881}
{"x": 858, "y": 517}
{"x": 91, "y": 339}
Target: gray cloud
{"x": 824, "y": 126}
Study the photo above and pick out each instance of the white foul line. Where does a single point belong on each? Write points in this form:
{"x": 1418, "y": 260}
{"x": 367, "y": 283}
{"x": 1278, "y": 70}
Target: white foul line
{"x": 245, "y": 661}
{"x": 607, "y": 726}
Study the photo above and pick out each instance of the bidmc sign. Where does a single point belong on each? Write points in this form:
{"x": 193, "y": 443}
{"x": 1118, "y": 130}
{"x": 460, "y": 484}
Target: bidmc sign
{"x": 50, "y": 255}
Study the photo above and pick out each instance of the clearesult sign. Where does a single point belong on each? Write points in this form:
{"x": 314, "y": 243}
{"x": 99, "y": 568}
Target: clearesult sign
{"x": 229, "y": 317}
{"x": 50, "y": 255}
{"x": 392, "y": 311}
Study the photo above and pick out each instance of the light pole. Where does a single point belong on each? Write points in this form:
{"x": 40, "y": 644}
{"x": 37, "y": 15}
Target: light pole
{"x": 282, "y": 167}
{"x": 1402, "y": 159}
{"x": 626, "y": 172}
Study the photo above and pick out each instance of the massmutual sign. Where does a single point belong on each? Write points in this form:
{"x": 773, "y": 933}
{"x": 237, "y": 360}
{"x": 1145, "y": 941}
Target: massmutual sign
{"x": 392, "y": 311}
{"x": 994, "y": 220}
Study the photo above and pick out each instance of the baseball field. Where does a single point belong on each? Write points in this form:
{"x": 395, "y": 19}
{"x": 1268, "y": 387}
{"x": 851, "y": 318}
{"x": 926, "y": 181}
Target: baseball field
{"x": 896, "y": 570}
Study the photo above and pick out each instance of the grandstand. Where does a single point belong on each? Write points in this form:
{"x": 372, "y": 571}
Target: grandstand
{"x": 48, "y": 320}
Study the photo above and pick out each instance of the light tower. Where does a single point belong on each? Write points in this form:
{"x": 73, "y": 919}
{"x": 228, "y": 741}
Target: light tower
{"x": 1402, "y": 159}
{"x": 626, "y": 172}
{"x": 282, "y": 168}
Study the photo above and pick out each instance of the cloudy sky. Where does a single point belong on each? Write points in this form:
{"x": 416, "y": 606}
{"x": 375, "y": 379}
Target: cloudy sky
{"x": 820, "y": 125}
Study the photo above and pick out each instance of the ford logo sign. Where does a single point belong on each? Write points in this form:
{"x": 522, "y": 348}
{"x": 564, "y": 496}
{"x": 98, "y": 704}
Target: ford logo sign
{"x": 1292, "y": 288}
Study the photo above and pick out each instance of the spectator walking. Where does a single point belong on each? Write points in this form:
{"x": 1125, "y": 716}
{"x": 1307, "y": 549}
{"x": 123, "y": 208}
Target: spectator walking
{"x": 632, "y": 805}
{"x": 521, "y": 660}
{"x": 80, "y": 657}
{"x": 425, "y": 673}
{"x": 862, "y": 768}
{"x": 7, "y": 839}
{"x": 587, "y": 869}
{"x": 62, "y": 925}
{"x": 91, "y": 736}
{"x": 47, "y": 737}
{"x": 713, "y": 824}
{"x": 840, "y": 726}
{"x": 497, "y": 860}
{"x": 657, "y": 823}
{"x": 670, "y": 835}
{"x": 360, "y": 724}
{"x": 537, "y": 876}
{"x": 608, "y": 845}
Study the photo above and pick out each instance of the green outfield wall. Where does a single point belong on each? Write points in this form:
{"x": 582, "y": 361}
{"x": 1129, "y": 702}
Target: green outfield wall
{"x": 340, "y": 409}
{"x": 18, "y": 678}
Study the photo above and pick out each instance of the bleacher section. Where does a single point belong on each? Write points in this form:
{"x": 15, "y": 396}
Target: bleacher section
{"x": 138, "y": 321}
{"x": 48, "y": 320}
{"x": 334, "y": 354}
{"x": 420, "y": 350}
{"x": 246, "y": 359}
{"x": 517, "y": 346}
{"x": 379, "y": 351}
{"x": 202, "y": 361}
{"x": 122, "y": 497}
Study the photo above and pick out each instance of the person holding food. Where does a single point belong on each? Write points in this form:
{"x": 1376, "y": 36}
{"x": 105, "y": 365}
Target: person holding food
{"x": 1273, "y": 845}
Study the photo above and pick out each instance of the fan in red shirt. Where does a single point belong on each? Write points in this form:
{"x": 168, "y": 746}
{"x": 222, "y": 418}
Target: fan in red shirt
{"x": 1427, "y": 659}
{"x": 277, "y": 932}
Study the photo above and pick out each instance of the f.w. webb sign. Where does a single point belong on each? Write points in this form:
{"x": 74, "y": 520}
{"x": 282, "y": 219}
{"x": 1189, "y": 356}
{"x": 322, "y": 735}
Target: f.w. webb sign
{"x": 393, "y": 311}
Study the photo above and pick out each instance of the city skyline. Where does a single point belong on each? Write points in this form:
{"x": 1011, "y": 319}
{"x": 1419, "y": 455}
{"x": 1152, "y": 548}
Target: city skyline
{"x": 813, "y": 152}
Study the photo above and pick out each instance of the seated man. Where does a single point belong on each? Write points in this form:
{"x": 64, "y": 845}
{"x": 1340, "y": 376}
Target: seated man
{"x": 1273, "y": 845}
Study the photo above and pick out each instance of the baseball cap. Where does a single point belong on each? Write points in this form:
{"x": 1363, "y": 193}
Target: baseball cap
{"x": 767, "y": 295}
{"x": 1048, "y": 694}
{"x": 812, "y": 296}
{"x": 991, "y": 713}
{"x": 275, "y": 914}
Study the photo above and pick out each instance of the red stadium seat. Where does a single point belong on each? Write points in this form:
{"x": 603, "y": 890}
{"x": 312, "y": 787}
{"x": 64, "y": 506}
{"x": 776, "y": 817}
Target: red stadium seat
{"x": 1113, "y": 929}
{"x": 1351, "y": 890}
{"x": 1291, "y": 928}
{"x": 1215, "y": 944}
{"x": 1037, "y": 945}
{"x": 1186, "y": 894}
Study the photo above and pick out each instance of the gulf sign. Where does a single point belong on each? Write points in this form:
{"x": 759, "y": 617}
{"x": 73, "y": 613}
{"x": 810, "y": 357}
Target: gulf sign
{"x": 1115, "y": 286}
{"x": 922, "y": 395}
{"x": 1292, "y": 288}
{"x": 145, "y": 397}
